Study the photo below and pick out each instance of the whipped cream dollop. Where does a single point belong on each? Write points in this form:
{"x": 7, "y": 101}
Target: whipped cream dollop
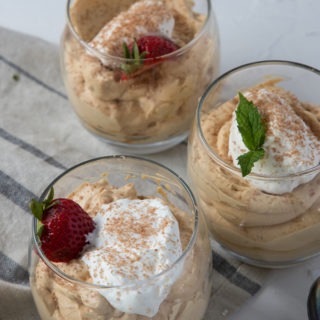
{"x": 290, "y": 145}
{"x": 133, "y": 241}
{"x": 143, "y": 17}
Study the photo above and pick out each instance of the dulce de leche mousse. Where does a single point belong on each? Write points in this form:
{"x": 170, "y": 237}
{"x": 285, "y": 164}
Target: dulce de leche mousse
{"x": 272, "y": 214}
{"x": 135, "y": 69}
{"x": 134, "y": 239}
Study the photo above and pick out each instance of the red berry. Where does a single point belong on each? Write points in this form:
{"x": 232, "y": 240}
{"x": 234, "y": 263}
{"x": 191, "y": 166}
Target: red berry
{"x": 144, "y": 54}
{"x": 65, "y": 226}
{"x": 155, "y": 47}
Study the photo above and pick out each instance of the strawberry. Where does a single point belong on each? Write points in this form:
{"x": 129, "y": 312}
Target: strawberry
{"x": 145, "y": 53}
{"x": 155, "y": 47}
{"x": 62, "y": 227}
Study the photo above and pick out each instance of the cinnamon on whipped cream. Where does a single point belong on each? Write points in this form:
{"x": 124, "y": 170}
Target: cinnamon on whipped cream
{"x": 267, "y": 228}
{"x": 133, "y": 241}
{"x": 140, "y": 19}
{"x": 290, "y": 145}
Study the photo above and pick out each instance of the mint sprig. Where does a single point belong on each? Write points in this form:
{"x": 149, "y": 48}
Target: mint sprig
{"x": 253, "y": 133}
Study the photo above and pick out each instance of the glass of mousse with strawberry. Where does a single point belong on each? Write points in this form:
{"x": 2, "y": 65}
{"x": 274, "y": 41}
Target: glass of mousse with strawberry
{"x": 134, "y": 70}
{"x": 119, "y": 238}
{"x": 254, "y": 162}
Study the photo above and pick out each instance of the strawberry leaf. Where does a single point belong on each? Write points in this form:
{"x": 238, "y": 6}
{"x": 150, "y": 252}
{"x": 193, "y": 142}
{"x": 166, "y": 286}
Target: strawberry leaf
{"x": 36, "y": 208}
{"x": 49, "y": 198}
{"x": 135, "y": 50}
{"x": 134, "y": 56}
{"x": 40, "y": 227}
{"x": 126, "y": 51}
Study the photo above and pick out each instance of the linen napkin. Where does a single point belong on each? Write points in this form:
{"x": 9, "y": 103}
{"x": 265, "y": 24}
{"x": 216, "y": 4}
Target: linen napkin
{"x": 40, "y": 137}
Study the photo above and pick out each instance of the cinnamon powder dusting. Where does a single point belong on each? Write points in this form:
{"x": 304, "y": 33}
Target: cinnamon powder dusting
{"x": 137, "y": 239}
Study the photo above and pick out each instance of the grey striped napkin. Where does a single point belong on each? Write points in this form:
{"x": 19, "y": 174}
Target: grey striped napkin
{"x": 39, "y": 138}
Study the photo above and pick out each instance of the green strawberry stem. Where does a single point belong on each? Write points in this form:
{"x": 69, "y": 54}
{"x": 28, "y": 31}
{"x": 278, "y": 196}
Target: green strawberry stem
{"x": 136, "y": 58}
{"x": 37, "y": 208}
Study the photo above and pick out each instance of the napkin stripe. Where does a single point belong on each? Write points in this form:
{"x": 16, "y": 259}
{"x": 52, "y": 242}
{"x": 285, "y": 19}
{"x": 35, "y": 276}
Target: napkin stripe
{"x": 30, "y": 148}
{"x": 227, "y": 270}
{"x": 12, "y": 271}
{"x": 32, "y": 77}
{"x": 15, "y": 192}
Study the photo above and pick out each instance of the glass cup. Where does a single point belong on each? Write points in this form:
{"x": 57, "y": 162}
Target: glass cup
{"x": 245, "y": 215}
{"x": 153, "y": 110}
{"x": 64, "y": 291}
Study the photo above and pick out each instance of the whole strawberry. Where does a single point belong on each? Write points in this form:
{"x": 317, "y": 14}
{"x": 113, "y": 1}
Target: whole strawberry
{"x": 62, "y": 227}
{"x": 144, "y": 53}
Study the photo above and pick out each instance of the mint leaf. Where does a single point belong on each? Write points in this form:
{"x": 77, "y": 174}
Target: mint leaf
{"x": 252, "y": 131}
{"x": 247, "y": 160}
{"x": 249, "y": 124}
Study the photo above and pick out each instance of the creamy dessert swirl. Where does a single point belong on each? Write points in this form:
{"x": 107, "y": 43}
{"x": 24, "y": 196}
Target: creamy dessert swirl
{"x": 290, "y": 146}
{"x": 133, "y": 241}
{"x": 155, "y": 101}
{"x": 137, "y": 21}
{"x": 271, "y": 216}
{"x": 183, "y": 289}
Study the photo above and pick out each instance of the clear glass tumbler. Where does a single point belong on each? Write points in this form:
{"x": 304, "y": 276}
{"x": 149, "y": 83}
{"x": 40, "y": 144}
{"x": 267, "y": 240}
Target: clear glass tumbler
{"x": 153, "y": 110}
{"x": 245, "y": 214}
{"x": 65, "y": 291}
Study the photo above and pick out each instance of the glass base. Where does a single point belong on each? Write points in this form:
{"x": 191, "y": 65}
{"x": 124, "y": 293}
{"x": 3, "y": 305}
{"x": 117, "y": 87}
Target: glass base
{"x": 268, "y": 264}
{"x": 142, "y": 148}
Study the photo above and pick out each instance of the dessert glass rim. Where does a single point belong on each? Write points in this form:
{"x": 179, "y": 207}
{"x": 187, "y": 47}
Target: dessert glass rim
{"x": 214, "y": 155}
{"x": 133, "y": 283}
{"x": 101, "y": 55}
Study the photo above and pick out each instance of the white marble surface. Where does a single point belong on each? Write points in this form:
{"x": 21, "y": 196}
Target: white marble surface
{"x": 250, "y": 30}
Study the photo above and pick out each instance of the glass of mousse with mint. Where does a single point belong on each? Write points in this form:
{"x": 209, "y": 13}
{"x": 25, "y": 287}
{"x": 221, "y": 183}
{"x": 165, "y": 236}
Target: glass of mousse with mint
{"x": 254, "y": 162}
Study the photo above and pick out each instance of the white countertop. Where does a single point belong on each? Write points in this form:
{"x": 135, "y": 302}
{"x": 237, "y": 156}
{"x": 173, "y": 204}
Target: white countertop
{"x": 250, "y": 30}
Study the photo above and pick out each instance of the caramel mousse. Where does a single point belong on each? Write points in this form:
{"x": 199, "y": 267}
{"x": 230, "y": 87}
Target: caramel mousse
{"x": 157, "y": 102}
{"x": 265, "y": 219}
{"x": 134, "y": 239}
